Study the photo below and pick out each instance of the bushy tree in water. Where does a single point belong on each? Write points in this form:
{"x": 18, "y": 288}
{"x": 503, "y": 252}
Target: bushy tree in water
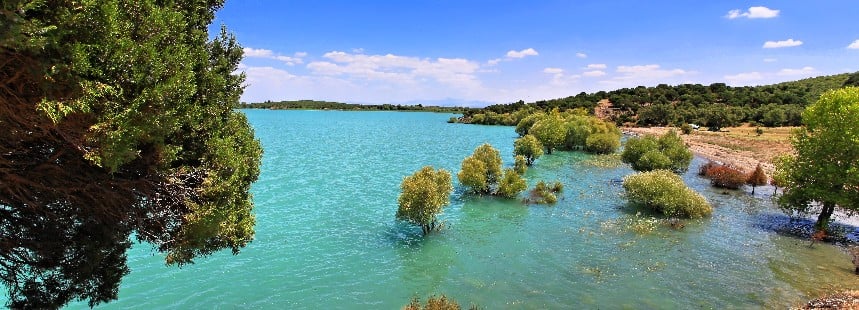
{"x": 481, "y": 173}
{"x": 824, "y": 174}
{"x": 529, "y": 147}
{"x": 423, "y": 196}
{"x": 651, "y": 153}
{"x": 550, "y": 131}
{"x": 757, "y": 178}
{"x": 665, "y": 192}
{"x": 481, "y": 170}
{"x": 117, "y": 120}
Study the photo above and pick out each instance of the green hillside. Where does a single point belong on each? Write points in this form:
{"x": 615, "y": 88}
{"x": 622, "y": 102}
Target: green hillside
{"x": 714, "y": 105}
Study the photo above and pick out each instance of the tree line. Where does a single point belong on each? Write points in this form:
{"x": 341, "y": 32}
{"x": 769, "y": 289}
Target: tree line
{"x": 716, "y": 105}
{"x": 332, "y": 105}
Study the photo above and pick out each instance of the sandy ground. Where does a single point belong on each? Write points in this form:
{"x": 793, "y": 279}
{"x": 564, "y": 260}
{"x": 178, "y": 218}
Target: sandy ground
{"x": 740, "y": 147}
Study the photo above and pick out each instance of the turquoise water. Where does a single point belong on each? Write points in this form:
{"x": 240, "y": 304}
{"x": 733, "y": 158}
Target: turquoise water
{"x": 327, "y": 239}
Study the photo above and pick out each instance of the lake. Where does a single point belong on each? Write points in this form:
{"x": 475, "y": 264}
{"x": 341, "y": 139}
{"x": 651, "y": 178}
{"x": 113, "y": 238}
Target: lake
{"x": 326, "y": 236}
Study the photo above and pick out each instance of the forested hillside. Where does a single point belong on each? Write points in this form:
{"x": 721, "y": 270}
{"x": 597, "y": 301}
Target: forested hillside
{"x": 715, "y": 105}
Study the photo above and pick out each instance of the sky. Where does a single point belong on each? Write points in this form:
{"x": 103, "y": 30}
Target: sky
{"x": 474, "y": 53}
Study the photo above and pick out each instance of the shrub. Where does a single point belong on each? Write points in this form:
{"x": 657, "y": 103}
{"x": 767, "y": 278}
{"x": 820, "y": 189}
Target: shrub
{"x": 452, "y": 120}
{"x": 511, "y": 184}
{"x": 665, "y": 192}
{"x": 686, "y": 129}
{"x": 435, "y": 303}
{"x": 675, "y": 156}
{"x": 602, "y": 143}
{"x": 529, "y": 147}
{"x": 520, "y": 165}
{"x": 757, "y": 178}
{"x": 725, "y": 176}
{"x": 544, "y": 194}
{"x": 703, "y": 170}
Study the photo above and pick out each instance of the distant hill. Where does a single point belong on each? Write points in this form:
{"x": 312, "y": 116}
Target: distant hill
{"x": 330, "y": 105}
{"x": 714, "y": 105}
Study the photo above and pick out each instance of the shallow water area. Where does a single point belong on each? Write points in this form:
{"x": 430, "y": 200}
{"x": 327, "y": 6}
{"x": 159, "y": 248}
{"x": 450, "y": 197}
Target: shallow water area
{"x": 327, "y": 237}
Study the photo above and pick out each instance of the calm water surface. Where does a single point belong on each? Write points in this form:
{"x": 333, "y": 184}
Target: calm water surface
{"x": 327, "y": 239}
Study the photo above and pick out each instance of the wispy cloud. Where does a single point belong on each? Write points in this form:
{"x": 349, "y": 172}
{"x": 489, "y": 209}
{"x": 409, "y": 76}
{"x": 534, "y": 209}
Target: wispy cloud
{"x": 269, "y": 54}
{"x": 594, "y": 73}
{"x": 553, "y": 70}
{"x": 802, "y": 71}
{"x": 581, "y": 55}
{"x": 770, "y": 60}
{"x": 854, "y": 45}
{"x": 523, "y": 53}
{"x": 596, "y": 66}
{"x": 742, "y": 78}
{"x": 753, "y": 12}
{"x": 780, "y": 44}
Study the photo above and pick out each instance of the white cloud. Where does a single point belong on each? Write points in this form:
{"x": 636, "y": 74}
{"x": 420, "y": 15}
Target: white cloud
{"x": 522, "y": 54}
{"x": 741, "y": 78}
{"x": 493, "y": 62}
{"x": 753, "y": 12}
{"x": 780, "y": 44}
{"x": 581, "y": 55}
{"x": 803, "y": 71}
{"x": 854, "y": 45}
{"x": 593, "y": 73}
{"x": 596, "y": 66}
{"x": 644, "y": 75}
{"x": 453, "y": 72}
{"x": 770, "y": 60}
{"x": 553, "y": 70}
{"x": 269, "y": 54}
{"x": 253, "y": 52}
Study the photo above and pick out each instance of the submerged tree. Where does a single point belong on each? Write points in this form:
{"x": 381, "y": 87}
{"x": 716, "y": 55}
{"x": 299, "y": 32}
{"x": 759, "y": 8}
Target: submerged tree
{"x": 824, "y": 173}
{"x": 529, "y": 147}
{"x": 757, "y": 178}
{"x": 423, "y": 196}
{"x": 481, "y": 170}
{"x": 651, "y": 153}
{"x": 117, "y": 121}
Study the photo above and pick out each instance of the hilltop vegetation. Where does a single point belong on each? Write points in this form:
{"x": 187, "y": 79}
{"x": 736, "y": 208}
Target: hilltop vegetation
{"x": 330, "y": 105}
{"x": 716, "y": 105}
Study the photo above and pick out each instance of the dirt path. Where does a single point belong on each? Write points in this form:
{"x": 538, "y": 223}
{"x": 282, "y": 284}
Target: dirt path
{"x": 741, "y": 147}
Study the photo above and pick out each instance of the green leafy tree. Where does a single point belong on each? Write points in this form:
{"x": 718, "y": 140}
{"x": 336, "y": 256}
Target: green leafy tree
{"x": 524, "y": 125}
{"x": 529, "y": 147}
{"x": 424, "y": 195}
{"x": 511, "y": 184}
{"x": 481, "y": 170}
{"x": 665, "y": 192}
{"x": 117, "y": 121}
{"x": 651, "y": 153}
{"x": 602, "y": 143}
{"x": 550, "y": 131}
{"x": 520, "y": 164}
{"x": 473, "y": 175}
{"x": 824, "y": 174}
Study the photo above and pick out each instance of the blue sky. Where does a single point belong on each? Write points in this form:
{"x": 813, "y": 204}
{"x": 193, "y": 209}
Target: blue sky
{"x": 479, "y": 52}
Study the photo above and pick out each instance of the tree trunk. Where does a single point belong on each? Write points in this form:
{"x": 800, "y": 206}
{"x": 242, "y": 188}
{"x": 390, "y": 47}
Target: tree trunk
{"x": 753, "y": 189}
{"x": 824, "y": 217}
{"x": 425, "y": 229}
{"x": 548, "y": 151}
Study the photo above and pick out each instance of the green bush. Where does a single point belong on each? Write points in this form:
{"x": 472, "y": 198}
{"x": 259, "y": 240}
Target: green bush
{"x": 520, "y": 164}
{"x": 665, "y": 192}
{"x": 669, "y": 145}
{"x": 602, "y": 143}
{"x": 686, "y": 129}
{"x": 511, "y": 184}
{"x": 544, "y": 194}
